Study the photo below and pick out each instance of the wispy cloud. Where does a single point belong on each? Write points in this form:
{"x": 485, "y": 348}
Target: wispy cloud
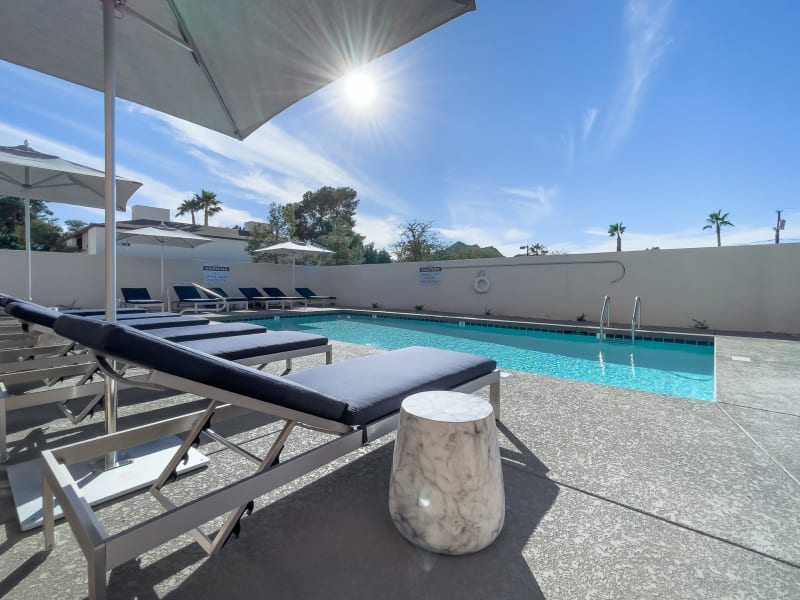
{"x": 382, "y": 230}
{"x": 504, "y": 217}
{"x": 274, "y": 165}
{"x": 645, "y": 24}
{"x": 589, "y": 117}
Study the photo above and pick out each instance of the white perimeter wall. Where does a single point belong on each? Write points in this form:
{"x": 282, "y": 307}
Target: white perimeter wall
{"x": 750, "y": 288}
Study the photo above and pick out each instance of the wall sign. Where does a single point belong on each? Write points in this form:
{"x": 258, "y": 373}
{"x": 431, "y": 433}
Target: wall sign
{"x": 216, "y": 274}
{"x": 430, "y": 275}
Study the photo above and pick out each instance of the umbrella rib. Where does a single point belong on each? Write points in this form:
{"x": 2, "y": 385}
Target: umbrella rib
{"x": 9, "y": 179}
{"x": 188, "y": 44}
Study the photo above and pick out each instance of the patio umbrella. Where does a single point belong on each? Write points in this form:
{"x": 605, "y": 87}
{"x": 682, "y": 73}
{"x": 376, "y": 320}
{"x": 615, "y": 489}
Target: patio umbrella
{"x": 294, "y": 249}
{"x": 31, "y": 175}
{"x": 229, "y": 66}
{"x": 163, "y": 236}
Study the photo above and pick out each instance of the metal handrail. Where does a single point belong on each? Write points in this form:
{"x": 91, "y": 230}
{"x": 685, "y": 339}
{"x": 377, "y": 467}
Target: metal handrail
{"x": 605, "y": 313}
{"x": 636, "y": 318}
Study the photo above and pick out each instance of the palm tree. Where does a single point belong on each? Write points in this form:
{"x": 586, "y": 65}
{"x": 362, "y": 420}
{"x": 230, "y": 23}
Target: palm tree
{"x": 208, "y": 203}
{"x": 189, "y": 206}
{"x": 617, "y": 229}
{"x": 717, "y": 220}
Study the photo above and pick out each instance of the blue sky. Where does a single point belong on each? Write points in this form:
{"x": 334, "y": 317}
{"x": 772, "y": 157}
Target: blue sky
{"x": 519, "y": 123}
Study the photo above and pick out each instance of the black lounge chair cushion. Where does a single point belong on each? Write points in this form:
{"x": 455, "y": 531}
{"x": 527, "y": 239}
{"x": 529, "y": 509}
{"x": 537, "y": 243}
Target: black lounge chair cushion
{"x": 46, "y": 317}
{"x": 141, "y": 348}
{"x": 253, "y": 294}
{"x": 248, "y": 346}
{"x": 163, "y": 322}
{"x": 189, "y": 293}
{"x": 144, "y": 301}
{"x": 310, "y": 295}
{"x": 353, "y": 392}
{"x": 135, "y": 294}
{"x": 89, "y": 312}
{"x": 279, "y": 295}
{"x": 199, "y": 332}
{"x": 144, "y": 315}
{"x": 375, "y": 386}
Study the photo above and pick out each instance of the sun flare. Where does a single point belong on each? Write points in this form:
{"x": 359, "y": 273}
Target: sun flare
{"x": 361, "y": 90}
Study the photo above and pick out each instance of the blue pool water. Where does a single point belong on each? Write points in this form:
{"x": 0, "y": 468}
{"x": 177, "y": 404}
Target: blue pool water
{"x": 684, "y": 370}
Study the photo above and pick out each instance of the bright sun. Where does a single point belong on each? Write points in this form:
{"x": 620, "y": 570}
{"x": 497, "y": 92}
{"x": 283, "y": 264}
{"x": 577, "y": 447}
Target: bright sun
{"x": 360, "y": 90}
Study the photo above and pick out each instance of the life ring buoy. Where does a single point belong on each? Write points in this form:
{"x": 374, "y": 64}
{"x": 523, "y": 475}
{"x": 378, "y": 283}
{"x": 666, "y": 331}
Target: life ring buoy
{"x": 481, "y": 284}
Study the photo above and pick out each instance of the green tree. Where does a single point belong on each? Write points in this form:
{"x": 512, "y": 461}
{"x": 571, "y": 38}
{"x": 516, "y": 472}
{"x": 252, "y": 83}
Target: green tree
{"x": 617, "y": 229}
{"x": 278, "y": 228}
{"x": 209, "y": 204}
{"x": 538, "y": 250}
{"x": 418, "y": 242}
{"x": 316, "y": 213}
{"x": 46, "y": 234}
{"x": 74, "y": 225}
{"x": 190, "y": 206}
{"x": 717, "y": 221}
{"x": 347, "y": 245}
{"x": 374, "y": 257}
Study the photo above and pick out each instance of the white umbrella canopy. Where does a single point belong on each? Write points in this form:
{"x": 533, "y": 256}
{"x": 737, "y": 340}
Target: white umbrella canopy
{"x": 31, "y": 175}
{"x": 228, "y": 66}
{"x": 294, "y": 249}
{"x": 163, "y": 236}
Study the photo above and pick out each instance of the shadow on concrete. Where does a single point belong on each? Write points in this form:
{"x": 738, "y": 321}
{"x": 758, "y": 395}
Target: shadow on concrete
{"x": 334, "y": 538}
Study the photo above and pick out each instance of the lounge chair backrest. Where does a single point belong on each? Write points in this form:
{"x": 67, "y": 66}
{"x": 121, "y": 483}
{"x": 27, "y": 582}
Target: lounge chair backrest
{"x": 305, "y": 292}
{"x": 4, "y": 300}
{"x": 186, "y": 292}
{"x": 274, "y": 292}
{"x": 133, "y": 294}
{"x": 33, "y": 313}
{"x": 250, "y": 292}
{"x": 140, "y": 348}
{"x": 220, "y": 291}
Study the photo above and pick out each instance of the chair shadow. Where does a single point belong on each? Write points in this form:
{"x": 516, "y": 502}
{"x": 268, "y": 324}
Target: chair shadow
{"x": 334, "y": 538}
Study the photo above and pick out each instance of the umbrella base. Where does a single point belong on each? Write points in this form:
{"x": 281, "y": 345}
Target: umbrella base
{"x": 142, "y": 465}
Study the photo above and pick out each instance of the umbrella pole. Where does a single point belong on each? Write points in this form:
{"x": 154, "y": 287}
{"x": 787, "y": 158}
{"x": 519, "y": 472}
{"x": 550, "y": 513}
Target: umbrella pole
{"x": 162, "y": 272}
{"x": 27, "y": 202}
{"x": 292, "y": 292}
{"x": 110, "y": 94}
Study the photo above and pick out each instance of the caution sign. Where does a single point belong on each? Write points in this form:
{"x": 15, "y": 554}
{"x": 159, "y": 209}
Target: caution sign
{"x": 216, "y": 274}
{"x": 430, "y": 275}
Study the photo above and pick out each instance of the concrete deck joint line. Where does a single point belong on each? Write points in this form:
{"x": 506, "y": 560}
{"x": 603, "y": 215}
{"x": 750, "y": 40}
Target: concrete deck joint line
{"x": 668, "y": 521}
{"x": 759, "y": 446}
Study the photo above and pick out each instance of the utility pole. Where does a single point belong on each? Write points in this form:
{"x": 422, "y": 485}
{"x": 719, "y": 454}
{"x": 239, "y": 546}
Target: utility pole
{"x": 778, "y": 226}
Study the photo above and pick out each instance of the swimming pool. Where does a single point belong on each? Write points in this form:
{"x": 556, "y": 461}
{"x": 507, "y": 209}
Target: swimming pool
{"x": 677, "y": 369}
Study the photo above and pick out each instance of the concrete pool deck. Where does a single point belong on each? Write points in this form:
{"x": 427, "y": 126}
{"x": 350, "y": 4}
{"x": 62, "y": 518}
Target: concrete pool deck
{"x": 610, "y": 493}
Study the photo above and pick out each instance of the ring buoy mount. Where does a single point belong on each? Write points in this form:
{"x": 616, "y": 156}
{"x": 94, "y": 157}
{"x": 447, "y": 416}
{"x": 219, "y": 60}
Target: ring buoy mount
{"x": 481, "y": 283}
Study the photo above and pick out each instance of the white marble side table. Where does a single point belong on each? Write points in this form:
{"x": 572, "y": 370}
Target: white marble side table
{"x": 446, "y": 488}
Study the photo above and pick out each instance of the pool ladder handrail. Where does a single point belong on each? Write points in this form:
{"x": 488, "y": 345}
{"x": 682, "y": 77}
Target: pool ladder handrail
{"x": 636, "y": 318}
{"x": 605, "y": 313}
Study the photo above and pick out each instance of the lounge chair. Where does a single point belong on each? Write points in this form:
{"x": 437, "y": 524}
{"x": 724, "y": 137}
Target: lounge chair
{"x": 357, "y": 400}
{"x": 140, "y": 298}
{"x": 309, "y": 295}
{"x": 231, "y": 300}
{"x": 278, "y": 294}
{"x": 256, "y": 298}
{"x": 192, "y": 301}
{"x": 90, "y": 312}
{"x": 245, "y": 343}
